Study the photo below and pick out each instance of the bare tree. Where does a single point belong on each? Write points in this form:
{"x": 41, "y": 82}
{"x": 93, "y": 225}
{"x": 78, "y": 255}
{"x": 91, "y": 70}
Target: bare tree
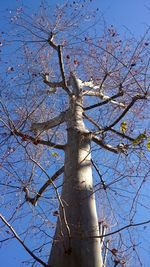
{"x": 71, "y": 91}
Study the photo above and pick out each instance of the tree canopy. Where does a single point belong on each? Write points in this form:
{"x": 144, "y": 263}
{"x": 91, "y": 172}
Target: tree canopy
{"x": 44, "y": 58}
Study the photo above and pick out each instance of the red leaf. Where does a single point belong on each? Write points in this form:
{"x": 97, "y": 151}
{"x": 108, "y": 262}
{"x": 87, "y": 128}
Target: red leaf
{"x": 114, "y": 251}
{"x": 56, "y": 213}
{"x": 24, "y": 137}
{"x": 36, "y": 142}
{"x": 76, "y": 62}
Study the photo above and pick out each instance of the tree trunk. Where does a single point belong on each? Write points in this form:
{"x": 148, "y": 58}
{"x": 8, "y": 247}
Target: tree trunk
{"x": 73, "y": 245}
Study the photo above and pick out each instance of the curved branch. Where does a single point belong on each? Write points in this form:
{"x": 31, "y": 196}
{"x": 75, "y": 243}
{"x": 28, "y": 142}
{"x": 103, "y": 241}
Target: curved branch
{"x": 36, "y": 140}
{"x": 44, "y": 126}
{"x": 58, "y": 197}
{"x": 123, "y": 135}
{"x": 51, "y": 42}
{"x": 97, "y": 90}
{"x": 60, "y": 58}
{"x": 93, "y": 122}
{"x": 21, "y": 242}
{"x": 108, "y": 99}
{"x": 134, "y": 99}
{"x": 103, "y": 145}
{"x": 121, "y": 229}
{"x": 100, "y": 175}
{"x": 124, "y": 227}
{"x": 53, "y": 85}
{"x": 34, "y": 200}
{"x": 61, "y": 64}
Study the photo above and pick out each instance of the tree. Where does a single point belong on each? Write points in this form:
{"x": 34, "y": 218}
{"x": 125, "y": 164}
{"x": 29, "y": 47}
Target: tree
{"x": 70, "y": 94}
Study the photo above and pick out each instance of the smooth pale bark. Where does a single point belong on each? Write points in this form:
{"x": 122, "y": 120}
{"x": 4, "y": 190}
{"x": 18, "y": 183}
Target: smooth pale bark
{"x": 43, "y": 126}
{"x": 73, "y": 245}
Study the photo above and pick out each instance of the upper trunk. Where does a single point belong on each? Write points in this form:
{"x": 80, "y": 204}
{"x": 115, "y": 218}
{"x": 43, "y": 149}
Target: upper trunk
{"x": 73, "y": 245}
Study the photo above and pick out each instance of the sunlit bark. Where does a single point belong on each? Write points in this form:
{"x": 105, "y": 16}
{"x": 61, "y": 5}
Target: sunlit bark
{"x": 73, "y": 244}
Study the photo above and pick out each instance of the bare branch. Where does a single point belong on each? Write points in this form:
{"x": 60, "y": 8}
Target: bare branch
{"x": 103, "y": 145}
{"x": 36, "y": 140}
{"x": 105, "y": 253}
{"x": 76, "y": 84}
{"x": 43, "y": 188}
{"x": 58, "y": 197}
{"x": 93, "y": 122}
{"x": 21, "y": 242}
{"x": 121, "y": 229}
{"x": 107, "y": 100}
{"x": 100, "y": 176}
{"x": 51, "y": 42}
{"x": 125, "y": 227}
{"x": 112, "y": 130}
{"x": 44, "y": 126}
{"x": 122, "y": 135}
{"x": 134, "y": 99}
{"x": 60, "y": 57}
{"x": 96, "y": 90}
{"x": 53, "y": 85}
{"x": 62, "y": 70}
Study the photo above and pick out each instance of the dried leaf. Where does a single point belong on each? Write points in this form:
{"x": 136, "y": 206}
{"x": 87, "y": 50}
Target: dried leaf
{"x": 54, "y": 154}
{"x": 123, "y": 127}
{"x": 139, "y": 139}
{"x": 148, "y": 144}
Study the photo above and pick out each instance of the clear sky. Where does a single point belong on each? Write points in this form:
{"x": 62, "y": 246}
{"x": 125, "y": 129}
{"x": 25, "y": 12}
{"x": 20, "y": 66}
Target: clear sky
{"x": 131, "y": 15}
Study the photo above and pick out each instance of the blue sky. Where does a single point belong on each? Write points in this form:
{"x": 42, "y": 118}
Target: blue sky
{"x": 129, "y": 15}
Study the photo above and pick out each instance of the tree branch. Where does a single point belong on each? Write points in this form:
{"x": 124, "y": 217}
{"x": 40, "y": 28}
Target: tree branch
{"x": 97, "y": 91}
{"x": 21, "y": 242}
{"x": 36, "y": 140}
{"x": 60, "y": 57}
{"x": 93, "y": 122}
{"x": 112, "y": 130}
{"x": 58, "y": 197}
{"x": 122, "y": 135}
{"x": 125, "y": 227}
{"x": 51, "y": 42}
{"x": 103, "y": 145}
{"x": 105, "y": 253}
{"x": 121, "y": 148}
{"x": 75, "y": 83}
{"x": 44, "y": 126}
{"x": 53, "y": 85}
{"x": 34, "y": 200}
{"x": 100, "y": 176}
{"x": 107, "y": 100}
{"x": 121, "y": 229}
{"x": 134, "y": 99}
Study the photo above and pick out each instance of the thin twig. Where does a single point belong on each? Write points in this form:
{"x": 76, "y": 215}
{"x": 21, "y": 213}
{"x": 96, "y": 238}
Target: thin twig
{"x": 36, "y": 141}
{"x": 134, "y": 99}
{"x": 58, "y": 196}
{"x": 21, "y": 242}
{"x": 109, "y": 99}
{"x": 62, "y": 70}
{"x": 123, "y": 228}
{"x": 103, "y": 145}
{"x": 43, "y": 188}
